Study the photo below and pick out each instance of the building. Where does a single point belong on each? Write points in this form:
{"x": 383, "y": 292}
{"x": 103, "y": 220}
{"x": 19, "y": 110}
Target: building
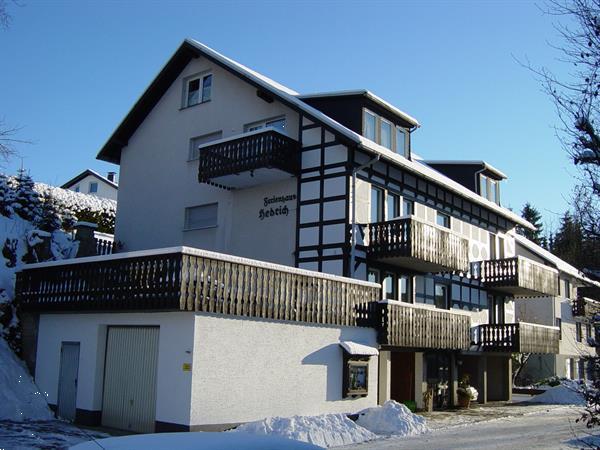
{"x": 572, "y": 310}
{"x": 91, "y": 182}
{"x": 337, "y": 268}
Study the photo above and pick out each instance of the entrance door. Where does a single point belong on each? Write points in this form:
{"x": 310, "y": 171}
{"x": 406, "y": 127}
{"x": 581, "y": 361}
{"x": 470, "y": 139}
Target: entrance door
{"x": 67, "y": 381}
{"x": 402, "y": 383}
{"x": 129, "y": 398}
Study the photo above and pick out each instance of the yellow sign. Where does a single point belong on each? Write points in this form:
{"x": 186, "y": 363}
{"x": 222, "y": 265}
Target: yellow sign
{"x": 187, "y": 367}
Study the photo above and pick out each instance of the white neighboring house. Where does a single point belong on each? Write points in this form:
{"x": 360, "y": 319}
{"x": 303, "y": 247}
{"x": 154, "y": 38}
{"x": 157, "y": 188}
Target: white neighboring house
{"x": 572, "y": 311}
{"x": 91, "y": 182}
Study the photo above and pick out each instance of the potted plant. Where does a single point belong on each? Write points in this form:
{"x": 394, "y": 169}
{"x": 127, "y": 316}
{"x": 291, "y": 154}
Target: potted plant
{"x": 466, "y": 393}
{"x": 428, "y": 399}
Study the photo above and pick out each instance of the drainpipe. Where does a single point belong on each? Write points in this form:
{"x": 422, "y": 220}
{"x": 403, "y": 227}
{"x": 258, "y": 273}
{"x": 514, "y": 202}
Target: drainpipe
{"x": 353, "y": 238}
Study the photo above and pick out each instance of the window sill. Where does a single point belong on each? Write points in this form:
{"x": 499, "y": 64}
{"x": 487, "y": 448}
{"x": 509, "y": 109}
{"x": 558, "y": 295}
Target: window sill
{"x": 200, "y": 228}
{"x": 195, "y": 104}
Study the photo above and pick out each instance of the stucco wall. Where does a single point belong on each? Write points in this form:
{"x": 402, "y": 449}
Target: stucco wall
{"x": 156, "y": 161}
{"x": 104, "y": 190}
{"x": 246, "y": 369}
{"x": 175, "y": 348}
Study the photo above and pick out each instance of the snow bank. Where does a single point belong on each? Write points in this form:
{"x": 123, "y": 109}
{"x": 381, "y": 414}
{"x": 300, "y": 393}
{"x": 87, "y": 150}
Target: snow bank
{"x": 327, "y": 430}
{"x": 195, "y": 441}
{"x": 392, "y": 418}
{"x": 567, "y": 393}
{"x": 20, "y": 399}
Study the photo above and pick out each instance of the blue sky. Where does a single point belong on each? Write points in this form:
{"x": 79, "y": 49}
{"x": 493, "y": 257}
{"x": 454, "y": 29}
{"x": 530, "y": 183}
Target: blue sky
{"x": 72, "y": 70}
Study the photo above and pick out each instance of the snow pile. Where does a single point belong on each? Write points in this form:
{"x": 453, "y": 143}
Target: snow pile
{"x": 20, "y": 399}
{"x": 328, "y": 430}
{"x": 392, "y": 418}
{"x": 195, "y": 441}
{"x": 567, "y": 393}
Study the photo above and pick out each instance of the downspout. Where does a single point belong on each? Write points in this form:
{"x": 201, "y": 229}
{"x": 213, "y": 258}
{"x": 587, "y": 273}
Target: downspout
{"x": 353, "y": 237}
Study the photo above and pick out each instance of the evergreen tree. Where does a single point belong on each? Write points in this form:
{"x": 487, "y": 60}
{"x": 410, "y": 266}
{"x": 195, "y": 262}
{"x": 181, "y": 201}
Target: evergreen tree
{"x": 50, "y": 216}
{"x": 569, "y": 242}
{"x": 533, "y": 216}
{"x": 27, "y": 200}
{"x": 7, "y": 196}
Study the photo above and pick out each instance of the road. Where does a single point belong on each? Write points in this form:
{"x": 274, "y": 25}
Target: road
{"x": 542, "y": 429}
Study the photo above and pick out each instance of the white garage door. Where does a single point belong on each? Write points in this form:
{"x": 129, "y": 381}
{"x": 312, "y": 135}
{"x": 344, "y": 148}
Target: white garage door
{"x": 129, "y": 400}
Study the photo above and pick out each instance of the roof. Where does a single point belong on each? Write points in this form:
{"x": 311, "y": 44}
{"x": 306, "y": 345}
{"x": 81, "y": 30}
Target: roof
{"x": 111, "y": 151}
{"x": 457, "y": 162}
{"x": 89, "y": 172}
{"x": 368, "y": 94}
{"x": 354, "y": 348}
{"x": 561, "y": 265}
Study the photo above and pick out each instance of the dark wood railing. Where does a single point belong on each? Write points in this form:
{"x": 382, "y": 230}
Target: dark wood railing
{"x": 585, "y": 307}
{"x": 408, "y": 325}
{"x": 195, "y": 280}
{"x": 264, "y": 149}
{"x": 435, "y": 247}
{"x": 519, "y": 337}
{"x": 519, "y": 276}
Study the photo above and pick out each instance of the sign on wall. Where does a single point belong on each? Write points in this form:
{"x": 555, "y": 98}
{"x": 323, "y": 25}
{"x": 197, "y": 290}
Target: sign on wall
{"x": 277, "y": 205}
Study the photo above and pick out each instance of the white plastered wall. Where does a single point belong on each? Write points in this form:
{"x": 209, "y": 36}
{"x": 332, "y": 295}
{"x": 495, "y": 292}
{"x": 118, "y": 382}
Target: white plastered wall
{"x": 175, "y": 348}
{"x": 248, "y": 369}
{"x": 157, "y": 182}
{"x": 104, "y": 190}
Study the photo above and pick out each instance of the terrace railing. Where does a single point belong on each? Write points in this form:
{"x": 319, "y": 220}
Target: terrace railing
{"x": 521, "y": 337}
{"x": 188, "y": 279}
{"x": 519, "y": 276}
{"x": 410, "y": 241}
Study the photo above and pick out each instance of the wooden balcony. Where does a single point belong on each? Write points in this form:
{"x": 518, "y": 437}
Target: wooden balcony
{"x": 585, "y": 307}
{"x": 521, "y": 337}
{"x": 254, "y": 158}
{"x": 517, "y": 276}
{"x": 188, "y": 279}
{"x": 412, "y": 243}
{"x": 420, "y": 327}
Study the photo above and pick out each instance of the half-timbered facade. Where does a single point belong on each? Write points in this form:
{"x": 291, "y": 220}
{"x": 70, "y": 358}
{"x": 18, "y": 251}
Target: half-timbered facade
{"x": 353, "y": 238}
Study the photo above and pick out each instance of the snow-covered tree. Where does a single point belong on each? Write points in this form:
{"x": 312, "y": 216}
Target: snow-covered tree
{"x": 50, "y": 214}
{"x": 7, "y": 196}
{"x": 27, "y": 201}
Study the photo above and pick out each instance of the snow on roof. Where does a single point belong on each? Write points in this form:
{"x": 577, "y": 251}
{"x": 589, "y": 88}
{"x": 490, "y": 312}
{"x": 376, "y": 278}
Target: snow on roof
{"x": 84, "y": 174}
{"x": 354, "y": 348}
{"x": 559, "y": 263}
{"x": 486, "y": 165}
{"x": 369, "y": 95}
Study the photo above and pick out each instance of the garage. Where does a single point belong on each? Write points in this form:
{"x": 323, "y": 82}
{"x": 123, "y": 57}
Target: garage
{"x": 130, "y": 372}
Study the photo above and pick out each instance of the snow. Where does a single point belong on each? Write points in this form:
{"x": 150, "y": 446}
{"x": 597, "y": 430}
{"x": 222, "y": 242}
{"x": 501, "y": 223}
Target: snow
{"x": 20, "y": 399}
{"x": 392, "y": 418}
{"x": 327, "y": 430}
{"x": 195, "y": 441}
{"x": 354, "y": 348}
{"x": 567, "y": 393}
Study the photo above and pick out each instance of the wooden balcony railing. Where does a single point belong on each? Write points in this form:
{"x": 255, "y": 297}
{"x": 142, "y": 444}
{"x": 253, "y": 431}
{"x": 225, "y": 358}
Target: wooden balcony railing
{"x": 585, "y": 307}
{"x": 188, "y": 279}
{"x": 518, "y": 276}
{"x": 521, "y": 337}
{"x": 408, "y": 325}
{"x": 419, "y": 245}
{"x": 265, "y": 149}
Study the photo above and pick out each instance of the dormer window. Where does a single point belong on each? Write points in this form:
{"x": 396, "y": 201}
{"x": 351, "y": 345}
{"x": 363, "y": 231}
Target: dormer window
{"x": 489, "y": 188}
{"x": 198, "y": 90}
{"x": 385, "y": 133}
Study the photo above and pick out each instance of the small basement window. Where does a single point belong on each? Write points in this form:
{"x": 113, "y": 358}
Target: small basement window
{"x": 356, "y": 368}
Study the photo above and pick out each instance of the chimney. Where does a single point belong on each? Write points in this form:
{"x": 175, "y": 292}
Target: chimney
{"x": 112, "y": 176}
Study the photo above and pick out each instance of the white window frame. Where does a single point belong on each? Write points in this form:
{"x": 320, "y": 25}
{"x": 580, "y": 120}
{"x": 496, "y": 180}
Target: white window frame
{"x": 93, "y": 183}
{"x": 193, "y": 152}
{"x": 186, "y": 226}
{"x": 365, "y": 112}
{"x": 393, "y": 131}
{"x": 405, "y": 149}
{"x": 186, "y": 89}
{"x": 380, "y": 123}
{"x": 262, "y": 124}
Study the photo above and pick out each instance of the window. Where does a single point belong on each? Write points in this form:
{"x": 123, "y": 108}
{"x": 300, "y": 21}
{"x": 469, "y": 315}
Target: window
{"x": 500, "y": 247}
{"x": 558, "y": 322}
{"x": 578, "y": 333}
{"x": 279, "y": 123}
{"x": 203, "y": 216}
{"x": 405, "y": 288}
{"x": 489, "y": 189}
{"x": 198, "y": 90}
{"x": 408, "y": 207}
{"x": 567, "y": 289}
{"x": 77, "y": 188}
{"x": 376, "y": 205}
{"x": 443, "y": 220}
{"x": 492, "y": 246}
{"x": 369, "y": 127}
{"x": 402, "y": 141}
{"x": 385, "y": 133}
{"x": 389, "y": 287}
{"x": 441, "y": 296}
{"x": 93, "y": 188}
{"x": 356, "y": 375}
{"x": 373, "y": 276}
{"x": 588, "y": 332}
{"x": 393, "y": 206}
{"x": 483, "y": 191}
{"x": 196, "y": 142}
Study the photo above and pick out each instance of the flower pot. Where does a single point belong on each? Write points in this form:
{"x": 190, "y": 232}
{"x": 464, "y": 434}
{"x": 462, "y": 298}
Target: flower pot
{"x": 464, "y": 401}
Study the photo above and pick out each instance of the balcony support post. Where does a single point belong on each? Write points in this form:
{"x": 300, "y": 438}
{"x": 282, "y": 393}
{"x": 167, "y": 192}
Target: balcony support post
{"x": 353, "y": 237}
{"x": 385, "y": 376}
{"x": 482, "y": 379}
